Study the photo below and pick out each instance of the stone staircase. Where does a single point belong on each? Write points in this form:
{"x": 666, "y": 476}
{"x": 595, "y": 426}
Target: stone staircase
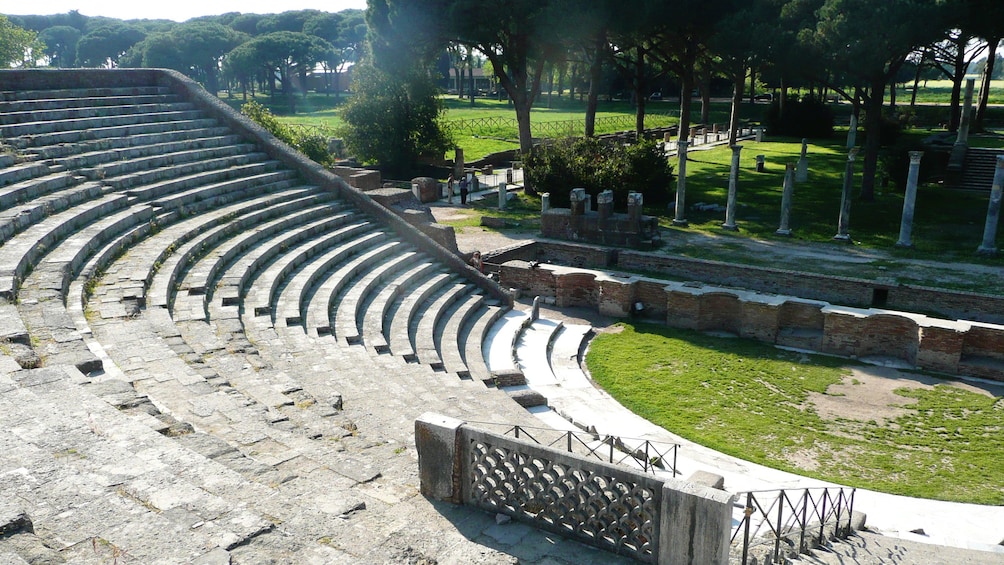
{"x": 212, "y": 351}
{"x": 977, "y": 171}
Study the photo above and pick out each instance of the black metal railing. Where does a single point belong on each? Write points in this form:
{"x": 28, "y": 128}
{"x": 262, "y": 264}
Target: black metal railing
{"x": 642, "y": 454}
{"x": 805, "y": 515}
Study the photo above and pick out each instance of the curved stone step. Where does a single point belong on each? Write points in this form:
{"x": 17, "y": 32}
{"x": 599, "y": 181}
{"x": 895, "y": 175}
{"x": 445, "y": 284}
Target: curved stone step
{"x": 85, "y": 93}
{"x": 315, "y": 302}
{"x": 564, "y": 358}
{"x": 279, "y": 233}
{"x": 96, "y": 122}
{"x": 134, "y": 152}
{"x": 36, "y": 187}
{"x": 12, "y": 172}
{"x": 449, "y": 337}
{"x": 473, "y": 344}
{"x": 92, "y": 150}
{"x": 23, "y": 250}
{"x": 82, "y": 135}
{"x": 162, "y": 286}
{"x": 500, "y": 341}
{"x": 532, "y": 350}
{"x": 49, "y": 101}
{"x": 375, "y": 314}
{"x": 260, "y": 288}
{"x": 349, "y": 308}
{"x": 154, "y": 159}
{"x": 46, "y": 116}
{"x": 399, "y": 336}
{"x": 284, "y": 260}
{"x": 150, "y": 183}
{"x": 424, "y": 335}
{"x": 175, "y": 230}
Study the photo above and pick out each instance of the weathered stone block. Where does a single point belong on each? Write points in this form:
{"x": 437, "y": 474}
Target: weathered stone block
{"x": 696, "y": 523}
{"x": 436, "y": 440}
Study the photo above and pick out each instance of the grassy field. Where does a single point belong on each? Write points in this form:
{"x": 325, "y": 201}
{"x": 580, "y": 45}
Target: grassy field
{"x": 940, "y": 91}
{"x": 759, "y": 403}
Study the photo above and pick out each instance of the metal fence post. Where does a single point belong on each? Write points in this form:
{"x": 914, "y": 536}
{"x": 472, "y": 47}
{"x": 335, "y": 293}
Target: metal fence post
{"x": 777, "y": 536}
{"x": 822, "y": 516}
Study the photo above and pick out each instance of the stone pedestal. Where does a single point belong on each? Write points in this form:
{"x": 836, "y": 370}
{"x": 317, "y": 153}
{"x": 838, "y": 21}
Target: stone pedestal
{"x": 802, "y": 171}
{"x": 909, "y": 199}
{"x": 988, "y": 246}
{"x": 634, "y": 204}
{"x": 503, "y": 196}
{"x": 545, "y": 202}
{"x": 844, "y": 221}
{"x": 730, "y": 206}
{"x": 761, "y": 163}
{"x": 759, "y": 135}
{"x": 605, "y": 204}
{"x": 577, "y": 201}
{"x": 786, "y": 194}
{"x": 681, "y": 184}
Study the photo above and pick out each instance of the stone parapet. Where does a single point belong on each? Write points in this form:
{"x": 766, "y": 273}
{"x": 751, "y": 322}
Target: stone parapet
{"x": 665, "y": 520}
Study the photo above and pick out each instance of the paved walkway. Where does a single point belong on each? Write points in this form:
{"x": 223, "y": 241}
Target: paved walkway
{"x": 952, "y": 532}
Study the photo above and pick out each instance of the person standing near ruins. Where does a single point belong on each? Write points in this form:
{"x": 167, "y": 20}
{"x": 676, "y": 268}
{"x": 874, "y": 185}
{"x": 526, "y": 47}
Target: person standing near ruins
{"x": 463, "y": 190}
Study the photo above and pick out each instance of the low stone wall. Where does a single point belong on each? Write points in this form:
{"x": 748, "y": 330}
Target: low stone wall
{"x": 958, "y": 347}
{"x": 845, "y": 291}
{"x": 652, "y": 519}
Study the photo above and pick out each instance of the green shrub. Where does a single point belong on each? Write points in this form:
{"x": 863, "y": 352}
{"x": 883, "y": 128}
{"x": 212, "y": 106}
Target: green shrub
{"x": 311, "y": 144}
{"x": 598, "y": 165}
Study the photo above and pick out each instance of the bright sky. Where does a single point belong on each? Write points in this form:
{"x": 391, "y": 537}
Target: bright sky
{"x": 177, "y": 10}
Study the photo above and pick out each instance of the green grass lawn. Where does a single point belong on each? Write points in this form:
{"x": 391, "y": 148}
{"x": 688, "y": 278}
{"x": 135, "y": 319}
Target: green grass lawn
{"x": 754, "y": 401}
{"x": 940, "y": 91}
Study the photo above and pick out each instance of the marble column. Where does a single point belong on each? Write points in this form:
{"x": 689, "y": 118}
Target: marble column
{"x": 545, "y": 202}
{"x": 789, "y": 187}
{"x": 730, "y": 205}
{"x": 844, "y": 222}
{"x": 681, "y": 184}
{"x": 909, "y": 200}
{"x": 802, "y": 172}
{"x": 852, "y": 131}
{"x": 503, "y": 196}
{"x": 988, "y": 247}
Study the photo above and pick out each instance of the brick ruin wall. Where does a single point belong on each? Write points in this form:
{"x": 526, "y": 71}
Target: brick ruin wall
{"x": 845, "y": 325}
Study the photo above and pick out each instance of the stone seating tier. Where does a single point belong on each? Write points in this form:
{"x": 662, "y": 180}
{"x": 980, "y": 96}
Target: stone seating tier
{"x": 149, "y": 241}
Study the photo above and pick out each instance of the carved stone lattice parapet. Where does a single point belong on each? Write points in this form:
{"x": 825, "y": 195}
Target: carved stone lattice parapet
{"x": 612, "y": 510}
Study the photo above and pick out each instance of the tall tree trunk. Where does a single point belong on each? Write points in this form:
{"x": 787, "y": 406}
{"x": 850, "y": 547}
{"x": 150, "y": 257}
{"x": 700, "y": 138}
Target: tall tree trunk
{"x": 892, "y": 94}
{"x": 639, "y": 90}
{"x": 738, "y": 80}
{"x": 550, "y": 85}
{"x": 706, "y": 99}
{"x": 471, "y": 90}
{"x": 873, "y": 139}
{"x": 956, "y": 101}
{"x": 916, "y": 81}
{"x": 595, "y": 67}
{"x": 988, "y": 72}
{"x": 752, "y": 83}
